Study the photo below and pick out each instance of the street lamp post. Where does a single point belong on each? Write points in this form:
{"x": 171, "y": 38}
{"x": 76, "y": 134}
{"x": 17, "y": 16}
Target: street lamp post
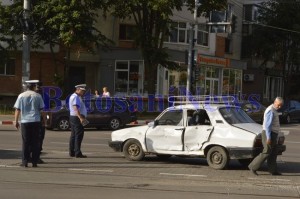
{"x": 191, "y": 55}
{"x": 26, "y": 42}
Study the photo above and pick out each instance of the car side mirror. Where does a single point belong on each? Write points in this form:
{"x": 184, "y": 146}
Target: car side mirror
{"x": 153, "y": 124}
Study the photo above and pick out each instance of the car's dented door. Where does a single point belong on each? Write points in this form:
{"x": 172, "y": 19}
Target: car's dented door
{"x": 196, "y": 136}
{"x": 167, "y": 134}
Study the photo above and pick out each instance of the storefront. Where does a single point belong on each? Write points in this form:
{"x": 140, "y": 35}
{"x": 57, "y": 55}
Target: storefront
{"x": 212, "y": 76}
{"x": 217, "y": 77}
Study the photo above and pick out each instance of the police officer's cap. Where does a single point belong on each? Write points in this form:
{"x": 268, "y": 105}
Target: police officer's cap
{"x": 81, "y": 87}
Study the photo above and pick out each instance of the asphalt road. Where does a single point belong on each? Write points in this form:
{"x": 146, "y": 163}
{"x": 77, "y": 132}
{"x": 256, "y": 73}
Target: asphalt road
{"x": 107, "y": 174}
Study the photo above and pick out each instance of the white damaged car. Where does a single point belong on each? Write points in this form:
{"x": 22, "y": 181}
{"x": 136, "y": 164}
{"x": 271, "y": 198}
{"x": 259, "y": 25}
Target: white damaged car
{"x": 217, "y": 132}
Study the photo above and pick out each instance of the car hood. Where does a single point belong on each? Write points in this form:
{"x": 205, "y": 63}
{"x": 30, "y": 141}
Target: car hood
{"x": 252, "y": 127}
{"x": 134, "y": 132}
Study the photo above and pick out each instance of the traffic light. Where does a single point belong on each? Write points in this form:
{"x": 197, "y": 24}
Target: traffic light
{"x": 233, "y": 23}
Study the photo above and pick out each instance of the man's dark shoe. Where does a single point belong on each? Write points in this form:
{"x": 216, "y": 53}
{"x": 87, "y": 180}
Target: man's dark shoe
{"x": 253, "y": 172}
{"x": 40, "y": 161}
{"x": 24, "y": 165}
{"x": 81, "y": 156}
{"x": 34, "y": 165}
{"x": 72, "y": 154}
{"x": 276, "y": 173}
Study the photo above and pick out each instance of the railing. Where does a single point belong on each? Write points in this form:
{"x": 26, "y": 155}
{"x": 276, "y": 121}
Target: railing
{"x": 201, "y": 99}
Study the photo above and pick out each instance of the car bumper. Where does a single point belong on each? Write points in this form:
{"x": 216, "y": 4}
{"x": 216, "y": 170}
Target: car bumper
{"x": 115, "y": 145}
{"x": 238, "y": 153}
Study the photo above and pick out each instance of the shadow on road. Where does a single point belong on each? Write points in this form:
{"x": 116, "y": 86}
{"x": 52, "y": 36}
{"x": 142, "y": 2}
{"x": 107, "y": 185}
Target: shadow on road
{"x": 9, "y": 154}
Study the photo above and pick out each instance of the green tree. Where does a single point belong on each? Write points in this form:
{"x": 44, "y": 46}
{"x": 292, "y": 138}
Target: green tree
{"x": 8, "y": 35}
{"x": 276, "y": 37}
{"x": 71, "y": 24}
{"x": 152, "y": 19}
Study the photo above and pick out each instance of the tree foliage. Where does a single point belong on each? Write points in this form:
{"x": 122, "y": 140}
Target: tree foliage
{"x": 70, "y": 24}
{"x": 153, "y": 19}
{"x": 277, "y": 36}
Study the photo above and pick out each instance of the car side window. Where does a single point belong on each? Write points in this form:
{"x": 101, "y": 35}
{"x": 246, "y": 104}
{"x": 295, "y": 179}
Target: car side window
{"x": 201, "y": 117}
{"x": 171, "y": 117}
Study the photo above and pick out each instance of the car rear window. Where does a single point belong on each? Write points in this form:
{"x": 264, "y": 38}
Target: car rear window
{"x": 235, "y": 115}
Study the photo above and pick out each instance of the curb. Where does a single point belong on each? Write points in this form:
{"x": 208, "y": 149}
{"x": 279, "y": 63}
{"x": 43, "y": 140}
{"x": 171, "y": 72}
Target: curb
{"x": 7, "y": 122}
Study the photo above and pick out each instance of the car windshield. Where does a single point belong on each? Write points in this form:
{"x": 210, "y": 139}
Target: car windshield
{"x": 235, "y": 115}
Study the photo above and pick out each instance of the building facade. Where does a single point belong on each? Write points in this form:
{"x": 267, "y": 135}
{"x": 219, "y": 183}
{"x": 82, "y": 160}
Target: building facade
{"x": 220, "y": 69}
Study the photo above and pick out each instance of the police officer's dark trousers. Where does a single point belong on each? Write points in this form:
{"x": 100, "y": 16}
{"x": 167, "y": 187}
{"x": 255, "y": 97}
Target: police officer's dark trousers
{"x": 269, "y": 153}
{"x": 77, "y": 133}
{"x": 30, "y": 141}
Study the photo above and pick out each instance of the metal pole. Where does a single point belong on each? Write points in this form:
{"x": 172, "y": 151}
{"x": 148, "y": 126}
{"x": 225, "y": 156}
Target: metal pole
{"x": 26, "y": 43}
{"x": 191, "y": 48}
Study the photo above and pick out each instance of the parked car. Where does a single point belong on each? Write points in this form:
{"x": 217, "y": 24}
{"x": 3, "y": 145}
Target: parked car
{"x": 218, "y": 133}
{"x": 254, "y": 109}
{"x": 290, "y": 111}
{"x": 102, "y": 112}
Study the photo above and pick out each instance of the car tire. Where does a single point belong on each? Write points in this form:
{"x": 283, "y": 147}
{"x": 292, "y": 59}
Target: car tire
{"x": 63, "y": 124}
{"x": 133, "y": 150}
{"x": 217, "y": 158}
{"x": 114, "y": 123}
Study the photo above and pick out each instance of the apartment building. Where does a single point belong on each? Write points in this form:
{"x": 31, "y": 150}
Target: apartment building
{"x": 219, "y": 69}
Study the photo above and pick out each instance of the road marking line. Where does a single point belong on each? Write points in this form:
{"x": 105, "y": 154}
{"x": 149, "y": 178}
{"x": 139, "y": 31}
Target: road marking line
{"x": 7, "y": 166}
{"x": 178, "y": 174}
{"x": 91, "y": 170}
{"x": 291, "y": 142}
{"x": 273, "y": 179}
{"x": 65, "y": 143}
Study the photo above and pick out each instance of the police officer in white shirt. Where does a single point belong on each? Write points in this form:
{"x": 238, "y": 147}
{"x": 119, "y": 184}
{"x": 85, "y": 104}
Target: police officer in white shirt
{"x": 28, "y": 106}
{"x": 78, "y": 113}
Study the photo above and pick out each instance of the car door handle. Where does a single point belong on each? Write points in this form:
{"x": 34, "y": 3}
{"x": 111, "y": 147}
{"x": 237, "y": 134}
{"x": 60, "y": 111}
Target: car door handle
{"x": 180, "y": 129}
{"x": 208, "y": 130}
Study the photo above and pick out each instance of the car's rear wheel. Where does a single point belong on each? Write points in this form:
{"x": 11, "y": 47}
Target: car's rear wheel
{"x": 63, "y": 124}
{"x": 217, "y": 157}
{"x": 133, "y": 150}
{"x": 114, "y": 123}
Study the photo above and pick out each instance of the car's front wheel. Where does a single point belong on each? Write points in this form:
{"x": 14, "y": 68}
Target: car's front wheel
{"x": 217, "y": 157}
{"x": 133, "y": 150}
{"x": 63, "y": 124}
{"x": 114, "y": 123}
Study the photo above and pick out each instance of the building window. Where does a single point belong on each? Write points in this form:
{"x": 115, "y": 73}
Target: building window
{"x": 273, "y": 87}
{"x": 129, "y": 78}
{"x": 179, "y": 33}
{"x": 202, "y": 35}
{"x": 228, "y": 45}
{"x": 232, "y": 82}
{"x": 126, "y": 32}
{"x": 8, "y": 68}
{"x": 250, "y": 12}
